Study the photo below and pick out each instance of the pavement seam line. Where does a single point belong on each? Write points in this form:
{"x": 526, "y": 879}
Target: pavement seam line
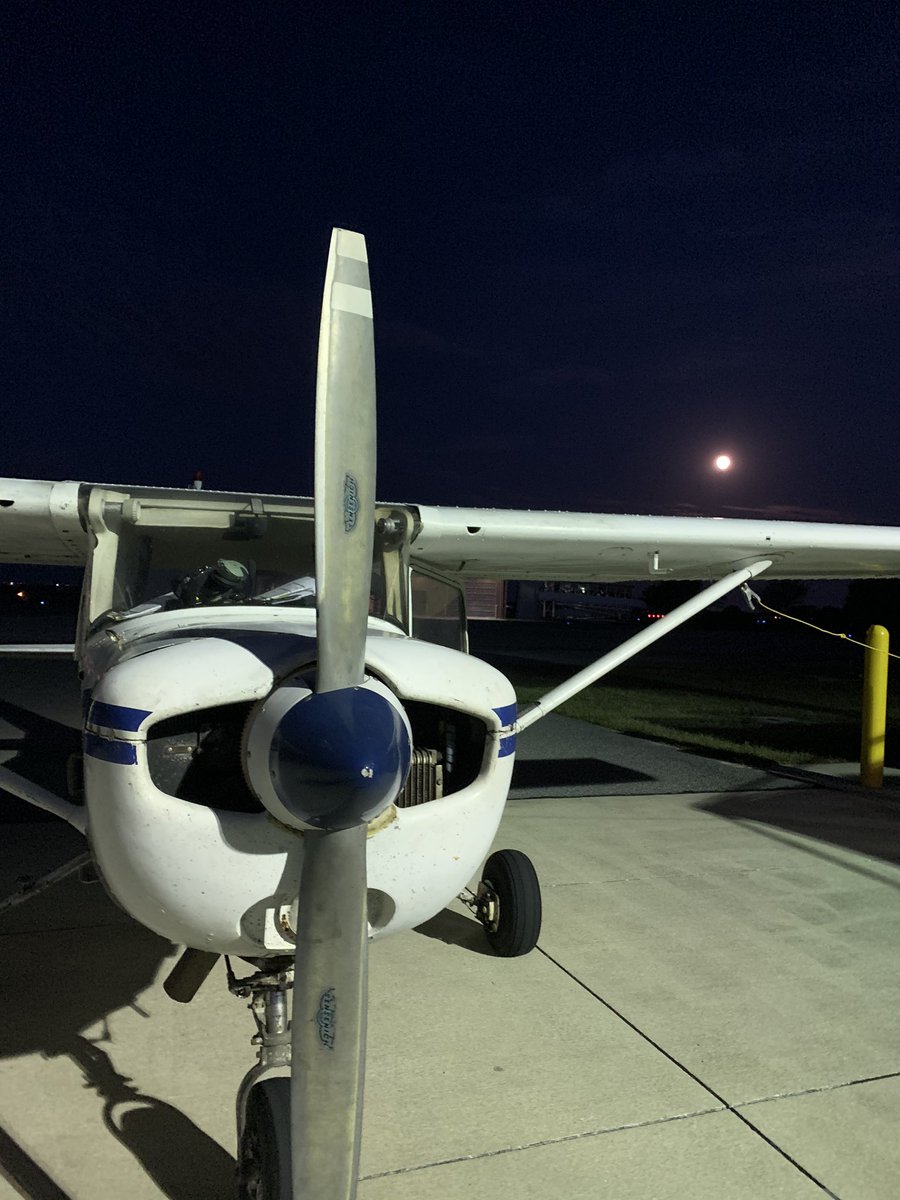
{"x": 828, "y": 1087}
{"x": 557, "y": 1141}
{"x": 687, "y": 1071}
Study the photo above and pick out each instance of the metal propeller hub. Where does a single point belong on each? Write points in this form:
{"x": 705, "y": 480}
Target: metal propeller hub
{"x": 338, "y": 759}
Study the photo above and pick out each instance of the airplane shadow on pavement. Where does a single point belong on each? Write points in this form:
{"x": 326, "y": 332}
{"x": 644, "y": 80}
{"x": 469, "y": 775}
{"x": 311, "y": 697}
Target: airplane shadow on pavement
{"x": 95, "y": 972}
{"x": 851, "y": 820}
{"x": 455, "y": 929}
{"x": 183, "y": 1161}
{"x": 93, "y": 977}
{"x": 571, "y": 772}
{"x": 40, "y": 753}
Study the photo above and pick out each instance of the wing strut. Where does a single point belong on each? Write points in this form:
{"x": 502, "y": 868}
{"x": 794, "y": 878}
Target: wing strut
{"x": 25, "y": 789}
{"x": 652, "y": 633}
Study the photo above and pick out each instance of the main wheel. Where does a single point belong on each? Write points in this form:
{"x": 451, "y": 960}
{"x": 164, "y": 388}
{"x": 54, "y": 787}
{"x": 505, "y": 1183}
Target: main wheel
{"x": 264, "y": 1158}
{"x": 509, "y": 903}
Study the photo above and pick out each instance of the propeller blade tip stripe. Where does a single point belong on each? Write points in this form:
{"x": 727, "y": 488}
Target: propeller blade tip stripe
{"x": 350, "y": 244}
{"x": 350, "y": 299}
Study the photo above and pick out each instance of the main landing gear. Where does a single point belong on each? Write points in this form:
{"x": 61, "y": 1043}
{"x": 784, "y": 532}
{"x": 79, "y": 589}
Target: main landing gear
{"x": 508, "y": 903}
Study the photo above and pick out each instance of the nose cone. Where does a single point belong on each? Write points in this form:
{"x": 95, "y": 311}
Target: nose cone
{"x": 338, "y": 759}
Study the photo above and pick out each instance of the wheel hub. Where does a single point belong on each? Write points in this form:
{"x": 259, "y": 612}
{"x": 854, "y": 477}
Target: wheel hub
{"x": 487, "y": 906}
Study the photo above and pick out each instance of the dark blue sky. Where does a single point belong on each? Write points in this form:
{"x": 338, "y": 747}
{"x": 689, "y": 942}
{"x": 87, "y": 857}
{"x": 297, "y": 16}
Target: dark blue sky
{"x": 606, "y": 241}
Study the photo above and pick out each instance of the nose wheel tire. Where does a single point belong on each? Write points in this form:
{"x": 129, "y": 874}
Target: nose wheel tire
{"x": 264, "y": 1158}
{"x": 508, "y": 903}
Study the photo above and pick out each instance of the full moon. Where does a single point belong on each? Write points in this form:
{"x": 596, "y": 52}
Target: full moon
{"x": 722, "y": 462}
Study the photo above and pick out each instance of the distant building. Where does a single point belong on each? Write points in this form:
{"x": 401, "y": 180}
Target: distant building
{"x": 485, "y": 599}
{"x": 528, "y": 600}
{"x": 613, "y": 602}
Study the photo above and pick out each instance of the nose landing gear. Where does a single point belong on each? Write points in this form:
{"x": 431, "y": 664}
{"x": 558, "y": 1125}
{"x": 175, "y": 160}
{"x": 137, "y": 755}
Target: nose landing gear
{"x": 264, "y": 1098}
{"x": 264, "y": 1169}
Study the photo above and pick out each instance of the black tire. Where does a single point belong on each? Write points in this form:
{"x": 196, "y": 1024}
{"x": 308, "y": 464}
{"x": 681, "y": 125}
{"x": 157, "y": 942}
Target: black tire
{"x": 511, "y": 881}
{"x": 264, "y": 1158}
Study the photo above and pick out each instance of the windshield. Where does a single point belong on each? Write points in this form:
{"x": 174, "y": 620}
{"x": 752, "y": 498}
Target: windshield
{"x": 209, "y": 554}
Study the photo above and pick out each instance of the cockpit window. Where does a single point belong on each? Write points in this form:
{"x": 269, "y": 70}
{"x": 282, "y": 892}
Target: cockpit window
{"x": 154, "y": 555}
{"x": 199, "y": 567}
{"x": 438, "y": 611}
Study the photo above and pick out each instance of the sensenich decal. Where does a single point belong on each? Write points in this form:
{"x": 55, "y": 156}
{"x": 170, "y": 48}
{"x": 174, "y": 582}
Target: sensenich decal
{"x": 351, "y": 503}
{"x": 325, "y": 1018}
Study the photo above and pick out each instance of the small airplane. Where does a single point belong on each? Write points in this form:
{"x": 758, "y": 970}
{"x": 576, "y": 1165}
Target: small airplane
{"x": 288, "y": 751}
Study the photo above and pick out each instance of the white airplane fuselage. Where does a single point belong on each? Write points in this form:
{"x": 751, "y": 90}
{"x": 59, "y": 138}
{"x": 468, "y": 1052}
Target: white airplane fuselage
{"x": 180, "y": 837}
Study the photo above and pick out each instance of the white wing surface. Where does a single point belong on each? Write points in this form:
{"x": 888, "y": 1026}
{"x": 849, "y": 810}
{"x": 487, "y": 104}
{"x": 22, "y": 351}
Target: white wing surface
{"x": 483, "y": 543}
{"x": 39, "y": 522}
{"x": 43, "y": 522}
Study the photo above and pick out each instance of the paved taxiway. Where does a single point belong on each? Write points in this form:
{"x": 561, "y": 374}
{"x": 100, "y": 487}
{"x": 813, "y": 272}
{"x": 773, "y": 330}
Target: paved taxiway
{"x": 710, "y": 1012}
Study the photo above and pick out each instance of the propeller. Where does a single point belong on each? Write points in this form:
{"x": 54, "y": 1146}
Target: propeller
{"x": 338, "y": 755}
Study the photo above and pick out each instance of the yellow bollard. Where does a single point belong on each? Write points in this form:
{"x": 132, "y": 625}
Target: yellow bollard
{"x": 874, "y": 710}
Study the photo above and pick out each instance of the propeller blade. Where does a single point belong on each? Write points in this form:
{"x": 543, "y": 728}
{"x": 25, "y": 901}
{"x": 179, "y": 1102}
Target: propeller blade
{"x": 328, "y": 1027}
{"x": 345, "y": 463}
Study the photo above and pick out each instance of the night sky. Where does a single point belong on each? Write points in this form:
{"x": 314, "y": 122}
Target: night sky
{"x": 606, "y": 241}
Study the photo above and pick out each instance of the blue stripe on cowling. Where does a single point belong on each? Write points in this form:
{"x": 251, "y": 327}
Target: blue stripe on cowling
{"x": 123, "y": 753}
{"x": 507, "y": 714}
{"x": 507, "y": 746}
{"x": 117, "y": 716}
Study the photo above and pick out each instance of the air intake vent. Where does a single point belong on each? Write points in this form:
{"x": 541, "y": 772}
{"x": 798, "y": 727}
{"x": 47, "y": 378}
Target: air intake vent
{"x": 197, "y": 757}
{"x": 426, "y": 779}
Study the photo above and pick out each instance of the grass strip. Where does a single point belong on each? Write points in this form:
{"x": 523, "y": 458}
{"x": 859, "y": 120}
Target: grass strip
{"x": 746, "y": 719}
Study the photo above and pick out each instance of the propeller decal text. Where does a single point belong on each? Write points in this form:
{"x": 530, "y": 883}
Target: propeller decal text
{"x": 351, "y": 503}
{"x": 325, "y": 1018}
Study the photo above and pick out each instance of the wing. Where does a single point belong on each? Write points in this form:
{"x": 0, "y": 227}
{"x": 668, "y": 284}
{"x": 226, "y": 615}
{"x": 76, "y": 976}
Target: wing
{"x": 475, "y": 543}
{"x": 40, "y": 523}
{"x": 45, "y": 522}
{"x": 48, "y": 522}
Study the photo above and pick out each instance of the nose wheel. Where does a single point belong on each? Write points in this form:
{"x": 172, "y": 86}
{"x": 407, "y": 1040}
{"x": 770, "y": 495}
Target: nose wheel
{"x": 264, "y": 1160}
{"x": 508, "y": 903}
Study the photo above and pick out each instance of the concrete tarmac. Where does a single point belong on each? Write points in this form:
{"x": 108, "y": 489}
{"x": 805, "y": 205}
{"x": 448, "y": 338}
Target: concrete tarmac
{"x": 710, "y": 1013}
